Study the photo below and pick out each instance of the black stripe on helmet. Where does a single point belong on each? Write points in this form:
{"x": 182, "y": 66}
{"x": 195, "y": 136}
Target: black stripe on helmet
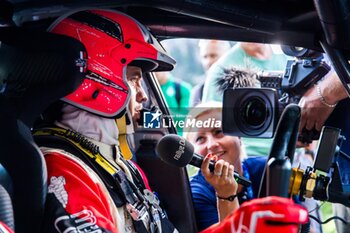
{"x": 98, "y": 78}
{"x": 100, "y": 23}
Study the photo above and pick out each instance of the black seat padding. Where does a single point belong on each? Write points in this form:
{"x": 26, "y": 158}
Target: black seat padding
{"x": 172, "y": 185}
{"x": 36, "y": 69}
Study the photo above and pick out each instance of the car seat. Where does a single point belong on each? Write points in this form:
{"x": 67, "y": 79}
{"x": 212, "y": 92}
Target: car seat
{"x": 36, "y": 69}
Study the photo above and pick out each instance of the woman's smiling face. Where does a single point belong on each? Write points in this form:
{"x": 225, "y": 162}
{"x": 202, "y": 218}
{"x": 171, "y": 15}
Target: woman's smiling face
{"x": 213, "y": 141}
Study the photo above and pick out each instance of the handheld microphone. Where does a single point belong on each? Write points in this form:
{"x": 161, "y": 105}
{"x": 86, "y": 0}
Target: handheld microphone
{"x": 179, "y": 152}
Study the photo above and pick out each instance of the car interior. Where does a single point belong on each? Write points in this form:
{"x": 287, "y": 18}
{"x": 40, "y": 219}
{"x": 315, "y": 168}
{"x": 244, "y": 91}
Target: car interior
{"x": 26, "y": 91}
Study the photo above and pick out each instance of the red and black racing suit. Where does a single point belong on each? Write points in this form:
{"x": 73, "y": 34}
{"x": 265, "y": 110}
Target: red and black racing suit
{"x": 77, "y": 200}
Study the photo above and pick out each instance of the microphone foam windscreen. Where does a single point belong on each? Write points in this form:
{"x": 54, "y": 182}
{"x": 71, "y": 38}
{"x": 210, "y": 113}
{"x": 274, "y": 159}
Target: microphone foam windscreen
{"x": 175, "y": 150}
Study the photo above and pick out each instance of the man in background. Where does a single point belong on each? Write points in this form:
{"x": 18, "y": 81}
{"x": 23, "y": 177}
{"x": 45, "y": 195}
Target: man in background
{"x": 210, "y": 51}
{"x": 176, "y": 94}
{"x": 327, "y": 103}
{"x": 243, "y": 55}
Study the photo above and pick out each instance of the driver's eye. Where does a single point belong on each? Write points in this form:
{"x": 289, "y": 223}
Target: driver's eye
{"x": 133, "y": 80}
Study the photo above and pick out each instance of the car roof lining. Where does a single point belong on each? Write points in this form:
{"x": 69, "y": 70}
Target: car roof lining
{"x": 255, "y": 20}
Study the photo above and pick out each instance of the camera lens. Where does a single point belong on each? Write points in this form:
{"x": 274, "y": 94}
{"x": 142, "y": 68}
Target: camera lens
{"x": 254, "y": 112}
{"x": 250, "y": 112}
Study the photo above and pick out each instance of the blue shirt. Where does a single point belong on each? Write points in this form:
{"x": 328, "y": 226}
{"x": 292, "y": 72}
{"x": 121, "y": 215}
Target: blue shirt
{"x": 204, "y": 198}
{"x": 340, "y": 119}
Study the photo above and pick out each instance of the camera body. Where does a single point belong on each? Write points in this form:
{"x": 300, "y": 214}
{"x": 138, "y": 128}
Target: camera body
{"x": 254, "y": 112}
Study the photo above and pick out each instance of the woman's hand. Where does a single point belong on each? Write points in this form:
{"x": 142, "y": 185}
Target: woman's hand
{"x": 224, "y": 184}
{"x": 222, "y": 178}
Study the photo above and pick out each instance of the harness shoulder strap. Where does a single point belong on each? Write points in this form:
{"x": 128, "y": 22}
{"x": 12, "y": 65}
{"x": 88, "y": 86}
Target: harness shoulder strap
{"x": 123, "y": 143}
{"x": 48, "y": 137}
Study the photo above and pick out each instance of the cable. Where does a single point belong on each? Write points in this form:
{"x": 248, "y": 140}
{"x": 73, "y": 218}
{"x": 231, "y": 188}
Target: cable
{"x": 318, "y": 207}
{"x": 329, "y": 219}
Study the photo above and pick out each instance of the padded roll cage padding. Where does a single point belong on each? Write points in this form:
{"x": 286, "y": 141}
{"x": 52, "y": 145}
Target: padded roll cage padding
{"x": 340, "y": 64}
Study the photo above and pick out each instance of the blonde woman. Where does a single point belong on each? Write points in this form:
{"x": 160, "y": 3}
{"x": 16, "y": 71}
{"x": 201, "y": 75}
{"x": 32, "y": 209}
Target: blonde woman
{"x": 215, "y": 195}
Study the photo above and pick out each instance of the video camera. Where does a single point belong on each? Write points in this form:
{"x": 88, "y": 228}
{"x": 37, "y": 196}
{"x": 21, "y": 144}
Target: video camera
{"x": 254, "y": 112}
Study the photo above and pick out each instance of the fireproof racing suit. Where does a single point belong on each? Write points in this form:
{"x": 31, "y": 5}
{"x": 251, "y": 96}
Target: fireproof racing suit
{"x": 77, "y": 199}
{"x": 91, "y": 188}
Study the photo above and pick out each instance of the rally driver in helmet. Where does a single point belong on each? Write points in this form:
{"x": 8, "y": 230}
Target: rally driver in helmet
{"x": 91, "y": 186}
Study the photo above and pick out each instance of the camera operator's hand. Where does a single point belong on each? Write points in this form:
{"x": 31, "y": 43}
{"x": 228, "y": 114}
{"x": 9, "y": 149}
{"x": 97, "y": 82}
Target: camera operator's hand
{"x": 319, "y": 102}
{"x": 313, "y": 112}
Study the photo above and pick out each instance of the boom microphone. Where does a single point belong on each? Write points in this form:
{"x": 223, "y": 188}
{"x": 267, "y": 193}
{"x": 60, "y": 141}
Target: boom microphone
{"x": 179, "y": 152}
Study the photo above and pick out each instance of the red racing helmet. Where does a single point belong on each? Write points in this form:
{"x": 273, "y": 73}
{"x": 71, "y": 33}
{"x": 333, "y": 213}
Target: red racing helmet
{"x": 113, "y": 40}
